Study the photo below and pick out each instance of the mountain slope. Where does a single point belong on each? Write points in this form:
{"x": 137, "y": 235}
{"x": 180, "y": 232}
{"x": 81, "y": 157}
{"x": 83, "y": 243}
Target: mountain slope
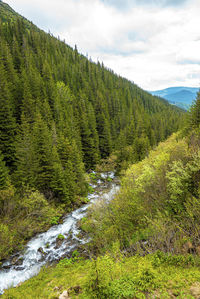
{"x": 179, "y": 96}
{"x": 64, "y": 114}
{"x": 146, "y": 240}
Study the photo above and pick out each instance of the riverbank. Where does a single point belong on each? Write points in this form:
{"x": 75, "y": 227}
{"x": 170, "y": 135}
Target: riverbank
{"x": 59, "y": 241}
{"x": 114, "y": 276}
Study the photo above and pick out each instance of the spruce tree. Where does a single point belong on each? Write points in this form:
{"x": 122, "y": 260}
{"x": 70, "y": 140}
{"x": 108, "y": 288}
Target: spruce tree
{"x": 7, "y": 122}
{"x": 4, "y": 176}
{"x": 195, "y": 113}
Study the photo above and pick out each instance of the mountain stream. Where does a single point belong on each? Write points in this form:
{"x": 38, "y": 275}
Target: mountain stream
{"x": 44, "y": 247}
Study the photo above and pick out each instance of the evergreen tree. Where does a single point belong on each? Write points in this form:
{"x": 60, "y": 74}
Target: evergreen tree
{"x": 7, "y": 122}
{"x": 61, "y": 113}
{"x": 26, "y": 159}
{"x": 4, "y": 176}
{"x": 195, "y": 113}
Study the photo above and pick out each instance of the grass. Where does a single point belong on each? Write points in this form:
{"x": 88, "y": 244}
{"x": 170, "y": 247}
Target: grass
{"x": 115, "y": 277}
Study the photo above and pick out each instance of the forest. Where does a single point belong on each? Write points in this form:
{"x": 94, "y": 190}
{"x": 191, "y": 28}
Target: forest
{"x": 60, "y": 115}
{"x": 145, "y": 242}
{"x": 63, "y": 116}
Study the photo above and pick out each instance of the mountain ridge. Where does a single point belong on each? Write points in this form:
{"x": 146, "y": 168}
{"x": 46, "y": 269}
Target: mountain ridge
{"x": 180, "y": 96}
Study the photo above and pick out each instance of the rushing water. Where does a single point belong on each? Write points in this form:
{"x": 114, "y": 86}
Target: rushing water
{"x": 44, "y": 247}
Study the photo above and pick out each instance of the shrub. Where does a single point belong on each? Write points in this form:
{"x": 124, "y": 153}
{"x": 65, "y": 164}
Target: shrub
{"x": 54, "y": 220}
{"x": 60, "y": 237}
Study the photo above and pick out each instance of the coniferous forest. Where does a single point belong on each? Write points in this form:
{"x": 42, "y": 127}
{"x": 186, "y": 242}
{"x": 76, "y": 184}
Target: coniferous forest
{"x": 63, "y": 116}
{"x": 60, "y": 115}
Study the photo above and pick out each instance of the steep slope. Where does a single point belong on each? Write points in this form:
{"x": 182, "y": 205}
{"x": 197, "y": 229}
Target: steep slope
{"x": 61, "y": 114}
{"x": 146, "y": 240}
{"x": 158, "y": 205}
{"x": 179, "y": 96}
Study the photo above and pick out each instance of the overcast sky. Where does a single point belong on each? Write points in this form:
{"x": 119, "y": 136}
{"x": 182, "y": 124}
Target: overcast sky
{"x": 155, "y": 43}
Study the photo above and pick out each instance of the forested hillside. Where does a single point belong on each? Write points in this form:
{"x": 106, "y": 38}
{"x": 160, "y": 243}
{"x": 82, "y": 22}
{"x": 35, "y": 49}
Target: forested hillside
{"x": 60, "y": 114}
{"x": 145, "y": 242}
{"x": 180, "y": 96}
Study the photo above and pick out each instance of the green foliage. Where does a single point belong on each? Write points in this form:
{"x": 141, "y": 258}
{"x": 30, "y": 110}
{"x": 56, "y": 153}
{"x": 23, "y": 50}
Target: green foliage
{"x": 60, "y": 237}
{"x": 109, "y": 179}
{"x": 157, "y": 206}
{"x": 75, "y": 254}
{"x": 195, "y": 113}
{"x": 54, "y": 220}
{"x": 134, "y": 277}
{"x": 93, "y": 177}
{"x": 90, "y": 189}
{"x": 28, "y": 214}
{"x": 160, "y": 258}
{"x": 64, "y": 263}
{"x": 4, "y": 177}
{"x": 178, "y": 183}
{"x": 60, "y": 114}
{"x": 7, "y": 240}
{"x": 114, "y": 276}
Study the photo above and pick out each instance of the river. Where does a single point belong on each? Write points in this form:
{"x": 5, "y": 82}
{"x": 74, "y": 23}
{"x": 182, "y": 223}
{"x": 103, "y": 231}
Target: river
{"x": 46, "y": 247}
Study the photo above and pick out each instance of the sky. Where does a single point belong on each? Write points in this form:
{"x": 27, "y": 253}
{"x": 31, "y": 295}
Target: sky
{"x": 154, "y": 43}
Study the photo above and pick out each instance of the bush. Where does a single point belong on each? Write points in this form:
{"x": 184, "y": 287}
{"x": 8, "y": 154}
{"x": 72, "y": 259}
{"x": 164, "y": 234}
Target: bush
{"x": 160, "y": 258}
{"x": 60, "y": 237}
{"x": 54, "y": 220}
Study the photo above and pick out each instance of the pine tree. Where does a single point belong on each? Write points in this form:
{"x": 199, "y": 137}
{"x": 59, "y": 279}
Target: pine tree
{"x": 195, "y": 113}
{"x": 43, "y": 149}
{"x": 57, "y": 181}
{"x": 7, "y": 122}
{"x": 26, "y": 159}
{"x": 4, "y": 176}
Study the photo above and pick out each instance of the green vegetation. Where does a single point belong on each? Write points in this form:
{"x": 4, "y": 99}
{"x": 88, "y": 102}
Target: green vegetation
{"x": 60, "y": 237}
{"x": 54, "y": 220}
{"x": 22, "y": 217}
{"x": 60, "y": 115}
{"x": 157, "y": 206}
{"x": 158, "y": 275}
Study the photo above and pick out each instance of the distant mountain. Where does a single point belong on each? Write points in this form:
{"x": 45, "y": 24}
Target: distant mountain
{"x": 179, "y": 96}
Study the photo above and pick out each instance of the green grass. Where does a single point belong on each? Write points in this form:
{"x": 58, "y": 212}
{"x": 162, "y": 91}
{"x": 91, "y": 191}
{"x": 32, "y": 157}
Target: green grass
{"x": 113, "y": 276}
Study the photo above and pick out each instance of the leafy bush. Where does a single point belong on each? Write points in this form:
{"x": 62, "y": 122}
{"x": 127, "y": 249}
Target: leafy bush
{"x": 160, "y": 258}
{"x": 90, "y": 189}
{"x": 54, "y": 220}
{"x": 158, "y": 202}
{"x": 64, "y": 263}
{"x": 60, "y": 237}
{"x": 75, "y": 254}
{"x": 93, "y": 176}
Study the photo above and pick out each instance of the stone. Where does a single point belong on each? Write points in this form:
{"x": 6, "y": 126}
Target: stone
{"x": 64, "y": 295}
{"x": 41, "y": 250}
{"x": 195, "y": 290}
{"x": 187, "y": 248}
{"x": 59, "y": 242}
{"x": 6, "y": 267}
{"x": 198, "y": 250}
{"x": 17, "y": 261}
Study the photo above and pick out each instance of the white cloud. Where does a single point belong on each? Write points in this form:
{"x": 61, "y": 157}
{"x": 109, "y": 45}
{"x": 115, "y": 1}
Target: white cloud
{"x": 189, "y": 53}
{"x": 155, "y": 46}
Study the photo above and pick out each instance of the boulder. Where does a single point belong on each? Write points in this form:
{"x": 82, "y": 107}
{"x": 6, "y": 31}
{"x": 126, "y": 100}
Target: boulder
{"x": 58, "y": 243}
{"x": 41, "y": 250}
{"x": 198, "y": 250}
{"x": 64, "y": 295}
{"x": 17, "y": 261}
{"x": 195, "y": 290}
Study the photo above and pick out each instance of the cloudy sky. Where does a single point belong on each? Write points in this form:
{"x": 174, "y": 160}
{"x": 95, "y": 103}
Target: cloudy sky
{"x": 155, "y": 43}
